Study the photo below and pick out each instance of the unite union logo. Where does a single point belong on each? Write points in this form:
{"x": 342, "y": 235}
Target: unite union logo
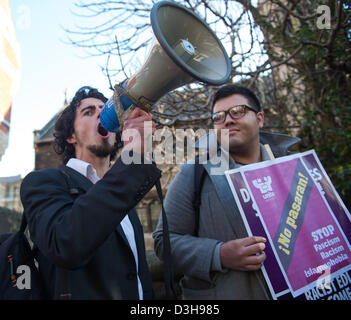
{"x": 265, "y": 186}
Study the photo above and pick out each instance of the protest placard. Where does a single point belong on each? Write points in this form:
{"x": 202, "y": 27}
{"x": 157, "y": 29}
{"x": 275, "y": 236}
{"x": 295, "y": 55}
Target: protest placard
{"x": 292, "y": 202}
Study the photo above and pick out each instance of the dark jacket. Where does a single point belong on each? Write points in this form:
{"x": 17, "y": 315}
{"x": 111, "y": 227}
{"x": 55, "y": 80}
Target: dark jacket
{"x": 83, "y": 252}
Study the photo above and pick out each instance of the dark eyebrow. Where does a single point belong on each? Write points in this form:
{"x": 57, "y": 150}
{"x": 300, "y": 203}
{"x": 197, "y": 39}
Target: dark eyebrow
{"x": 86, "y": 108}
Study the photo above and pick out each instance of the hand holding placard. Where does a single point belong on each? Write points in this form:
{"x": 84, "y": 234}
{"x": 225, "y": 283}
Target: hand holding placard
{"x": 245, "y": 254}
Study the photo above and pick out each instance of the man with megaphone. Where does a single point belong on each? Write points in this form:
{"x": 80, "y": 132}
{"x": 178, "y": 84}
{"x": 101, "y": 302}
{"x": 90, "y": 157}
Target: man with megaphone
{"x": 81, "y": 215}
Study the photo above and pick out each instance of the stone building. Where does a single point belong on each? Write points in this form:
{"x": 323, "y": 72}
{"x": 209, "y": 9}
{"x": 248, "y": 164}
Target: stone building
{"x": 45, "y": 156}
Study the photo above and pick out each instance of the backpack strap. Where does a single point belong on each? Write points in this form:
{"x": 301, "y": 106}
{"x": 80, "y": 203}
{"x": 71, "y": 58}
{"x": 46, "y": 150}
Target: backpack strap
{"x": 22, "y": 229}
{"x": 23, "y": 224}
{"x": 199, "y": 177}
{"x": 167, "y": 255}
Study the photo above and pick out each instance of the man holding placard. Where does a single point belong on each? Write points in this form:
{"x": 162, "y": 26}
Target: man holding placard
{"x": 219, "y": 260}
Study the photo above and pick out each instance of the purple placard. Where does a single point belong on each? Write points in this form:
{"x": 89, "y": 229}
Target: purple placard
{"x": 316, "y": 240}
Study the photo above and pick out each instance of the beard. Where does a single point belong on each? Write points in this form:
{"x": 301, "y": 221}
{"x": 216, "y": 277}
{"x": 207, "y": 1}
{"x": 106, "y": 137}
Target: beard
{"x": 102, "y": 151}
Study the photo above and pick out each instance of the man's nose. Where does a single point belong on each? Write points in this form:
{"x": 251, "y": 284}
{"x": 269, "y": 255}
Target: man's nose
{"x": 228, "y": 120}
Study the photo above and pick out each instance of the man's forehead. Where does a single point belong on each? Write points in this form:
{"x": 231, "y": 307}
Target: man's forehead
{"x": 230, "y": 101}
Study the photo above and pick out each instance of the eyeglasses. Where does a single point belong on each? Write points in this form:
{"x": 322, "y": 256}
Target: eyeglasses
{"x": 235, "y": 112}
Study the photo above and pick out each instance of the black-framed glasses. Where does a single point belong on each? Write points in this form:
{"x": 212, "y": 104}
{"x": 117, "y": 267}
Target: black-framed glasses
{"x": 235, "y": 112}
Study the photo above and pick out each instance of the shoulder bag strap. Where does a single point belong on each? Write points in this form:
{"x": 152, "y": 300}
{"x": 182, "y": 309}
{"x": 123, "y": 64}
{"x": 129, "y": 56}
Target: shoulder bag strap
{"x": 199, "y": 177}
{"x": 167, "y": 255}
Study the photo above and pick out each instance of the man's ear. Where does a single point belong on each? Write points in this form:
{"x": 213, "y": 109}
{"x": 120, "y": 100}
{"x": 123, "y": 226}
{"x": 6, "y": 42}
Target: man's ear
{"x": 72, "y": 139}
{"x": 260, "y": 119}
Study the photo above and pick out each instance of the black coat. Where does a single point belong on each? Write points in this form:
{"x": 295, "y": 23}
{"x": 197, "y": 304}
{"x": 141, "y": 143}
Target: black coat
{"x": 83, "y": 252}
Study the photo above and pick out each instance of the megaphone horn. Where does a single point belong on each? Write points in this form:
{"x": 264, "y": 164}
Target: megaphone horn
{"x": 185, "y": 50}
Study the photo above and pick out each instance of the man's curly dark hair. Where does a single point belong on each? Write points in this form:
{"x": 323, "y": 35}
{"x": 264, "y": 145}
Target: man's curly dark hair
{"x": 64, "y": 127}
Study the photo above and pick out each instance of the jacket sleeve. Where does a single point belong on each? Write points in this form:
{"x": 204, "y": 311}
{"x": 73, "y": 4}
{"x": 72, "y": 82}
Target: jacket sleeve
{"x": 191, "y": 255}
{"x": 68, "y": 231}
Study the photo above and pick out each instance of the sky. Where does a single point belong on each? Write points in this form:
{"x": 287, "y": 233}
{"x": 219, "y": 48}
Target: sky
{"x": 49, "y": 66}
